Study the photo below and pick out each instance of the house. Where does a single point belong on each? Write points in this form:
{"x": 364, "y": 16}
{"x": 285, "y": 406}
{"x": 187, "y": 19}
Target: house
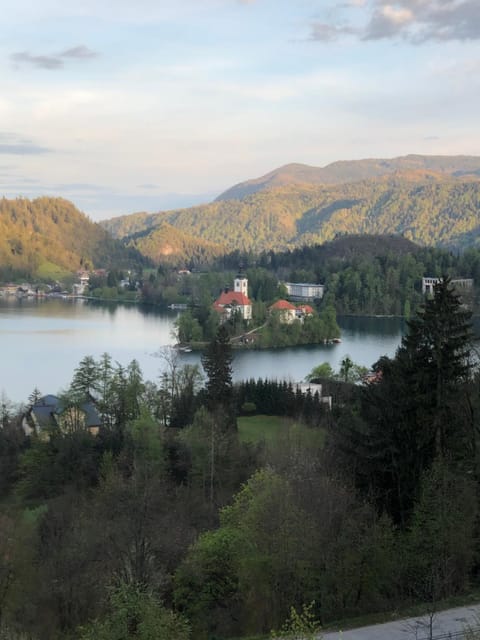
{"x": 51, "y": 412}
{"x": 80, "y": 287}
{"x": 304, "y": 310}
{"x": 313, "y": 388}
{"x": 230, "y": 302}
{"x": 304, "y": 290}
{"x": 285, "y": 310}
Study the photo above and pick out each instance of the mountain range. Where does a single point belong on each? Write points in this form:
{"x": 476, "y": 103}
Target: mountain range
{"x": 431, "y": 200}
{"x": 345, "y": 171}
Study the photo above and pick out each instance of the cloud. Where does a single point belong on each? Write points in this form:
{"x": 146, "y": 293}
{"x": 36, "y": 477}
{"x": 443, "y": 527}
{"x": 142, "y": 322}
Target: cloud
{"x": 16, "y": 145}
{"x": 55, "y": 61}
{"x": 415, "y": 21}
{"x": 352, "y": 3}
{"x": 80, "y": 52}
{"x": 23, "y": 149}
{"x": 324, "y": 32}
{"x": 41, "y": 62}
{"x": 388, "y": 21}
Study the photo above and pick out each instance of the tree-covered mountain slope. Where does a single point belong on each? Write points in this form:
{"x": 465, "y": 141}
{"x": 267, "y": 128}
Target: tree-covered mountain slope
{"x": 346, "y": 171}
{"x": 429, "y": 209}
{"x": 46, "y": 236}
{"x": 165, "y": 243}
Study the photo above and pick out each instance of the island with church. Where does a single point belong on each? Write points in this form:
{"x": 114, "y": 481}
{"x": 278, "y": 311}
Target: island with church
{"x": 298, "y": 315}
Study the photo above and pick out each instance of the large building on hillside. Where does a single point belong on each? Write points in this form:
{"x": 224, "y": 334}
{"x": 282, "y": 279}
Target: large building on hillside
{"x": 304, "y": 290}
{"x": 237, "y": 301}
{"x": 461, "y": 285}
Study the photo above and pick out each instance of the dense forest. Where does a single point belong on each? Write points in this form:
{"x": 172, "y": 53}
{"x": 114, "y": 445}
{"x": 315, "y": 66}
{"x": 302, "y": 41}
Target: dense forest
{"x": 373, "y": 274}
{"x": 365, "y": 275}
{"x": 430, "y": 210}
{"x": 48, "y": 238}
{"x": 170, "y": 524}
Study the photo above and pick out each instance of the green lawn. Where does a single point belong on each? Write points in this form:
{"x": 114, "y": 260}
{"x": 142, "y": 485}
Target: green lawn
{"x": 50, "y": 271}
{"x": 271, "y": 429}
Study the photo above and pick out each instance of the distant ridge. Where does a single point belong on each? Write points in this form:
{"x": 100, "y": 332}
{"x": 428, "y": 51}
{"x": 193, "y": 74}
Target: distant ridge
{"x": 348, "y": 171}
{"x": 430, "y": 200}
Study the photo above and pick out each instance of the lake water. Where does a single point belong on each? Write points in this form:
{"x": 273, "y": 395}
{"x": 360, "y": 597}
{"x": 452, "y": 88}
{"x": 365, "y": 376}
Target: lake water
{"x": 42, "y": 342}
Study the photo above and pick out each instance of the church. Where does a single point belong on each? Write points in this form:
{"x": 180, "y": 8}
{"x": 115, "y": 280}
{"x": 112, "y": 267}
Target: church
{"x": 237, "y": 301}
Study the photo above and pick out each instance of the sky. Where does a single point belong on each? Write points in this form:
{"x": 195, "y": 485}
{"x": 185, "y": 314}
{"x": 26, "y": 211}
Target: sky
{"x": 131, "y": 105}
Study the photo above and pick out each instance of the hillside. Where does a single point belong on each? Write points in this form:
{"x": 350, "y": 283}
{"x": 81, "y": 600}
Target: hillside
{"x": 347, "y": 248}
{"x": 49, "y": 236}
{"x": 165, "y": 243}
{"x": 347, "y": 171}
{"x": 428, "y": 209}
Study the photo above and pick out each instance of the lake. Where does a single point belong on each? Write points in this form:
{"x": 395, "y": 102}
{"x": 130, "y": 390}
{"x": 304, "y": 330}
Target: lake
{"x": 42, "y": 342}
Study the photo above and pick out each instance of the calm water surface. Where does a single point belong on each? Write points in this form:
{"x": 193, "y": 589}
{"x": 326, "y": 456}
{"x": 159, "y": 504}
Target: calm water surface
{"x": 42, "y": 342}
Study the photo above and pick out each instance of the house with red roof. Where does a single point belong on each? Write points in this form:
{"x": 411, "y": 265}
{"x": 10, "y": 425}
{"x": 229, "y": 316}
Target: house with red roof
{"x": 230, "y": 302}
{"x": 286, "y": 311}
{"x": 304, "y": 310}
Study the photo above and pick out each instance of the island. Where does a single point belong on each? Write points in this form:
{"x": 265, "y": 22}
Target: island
{"x": 256, "y": 324}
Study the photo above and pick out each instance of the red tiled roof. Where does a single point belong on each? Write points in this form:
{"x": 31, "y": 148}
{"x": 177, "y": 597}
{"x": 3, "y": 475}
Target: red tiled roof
{"x": 306, "y": 308}
{"x": 282, "y": 305}
{"x": 232, "y": 297}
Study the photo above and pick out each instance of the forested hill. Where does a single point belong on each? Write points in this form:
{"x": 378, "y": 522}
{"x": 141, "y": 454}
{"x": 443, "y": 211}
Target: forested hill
{"x": 427, "y": 209}
{"x": 47, "y": 236}
{"x": 165, "y": 243}
{"x": 346, "y": 171}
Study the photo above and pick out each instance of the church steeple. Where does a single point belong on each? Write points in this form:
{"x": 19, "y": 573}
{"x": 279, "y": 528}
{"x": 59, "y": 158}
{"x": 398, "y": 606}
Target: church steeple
{"x": 240, "y": 284}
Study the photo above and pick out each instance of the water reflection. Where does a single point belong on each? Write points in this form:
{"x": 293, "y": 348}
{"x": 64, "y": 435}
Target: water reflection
{"x": 380, "y": 326}
{"x": 42, "y": 341}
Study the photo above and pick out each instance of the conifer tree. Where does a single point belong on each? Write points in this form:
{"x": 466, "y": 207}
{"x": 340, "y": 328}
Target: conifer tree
{"x": 217, "y": 363}
{"x": 413, "y": 414}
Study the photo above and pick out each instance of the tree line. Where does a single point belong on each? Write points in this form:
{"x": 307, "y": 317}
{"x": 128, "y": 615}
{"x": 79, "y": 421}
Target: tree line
{"x": 363, "y": 275}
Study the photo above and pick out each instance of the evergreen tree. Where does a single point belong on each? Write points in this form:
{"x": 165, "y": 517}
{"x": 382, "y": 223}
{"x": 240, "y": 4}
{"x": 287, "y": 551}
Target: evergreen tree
{"x": 412, "y": 415}
{"x": 435, "y": 354}
{"x": 34, "y": 397}
{"x": 217, "y": 363}
{"x": 85, "y": 378}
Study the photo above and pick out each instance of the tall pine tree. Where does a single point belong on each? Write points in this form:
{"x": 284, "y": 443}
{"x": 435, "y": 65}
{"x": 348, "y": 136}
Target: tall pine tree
{"x": 217, "y": 363}
{"x": 414, "y": 413}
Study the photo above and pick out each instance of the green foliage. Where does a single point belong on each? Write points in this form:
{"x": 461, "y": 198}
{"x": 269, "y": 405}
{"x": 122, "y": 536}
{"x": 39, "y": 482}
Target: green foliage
{"x": 441, "y": 540}
{"x": 48, "y": 237}
{"x": 206, "y": 583}
{"x": 310, "y": 330}
{"x": 301, "y": 625}
{"x": 135, "y": 613}
{"x": 248, "y": 407}
{"x": 149, "y": 455}
{"x": 428, "y": 209}
{"x": 349, "y": 371}
{"x": 217, "y": 363}
{"x": 51, "y": 465}
{"x": 418, "y": 409}
{"x": 278, "y": 431}
{"x": 188, "y": 328}
{"x": 51, "y": 272}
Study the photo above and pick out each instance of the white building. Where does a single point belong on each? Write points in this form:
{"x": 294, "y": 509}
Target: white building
{"x": 459, "y": 284}
{"x": 304, "y": 290}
